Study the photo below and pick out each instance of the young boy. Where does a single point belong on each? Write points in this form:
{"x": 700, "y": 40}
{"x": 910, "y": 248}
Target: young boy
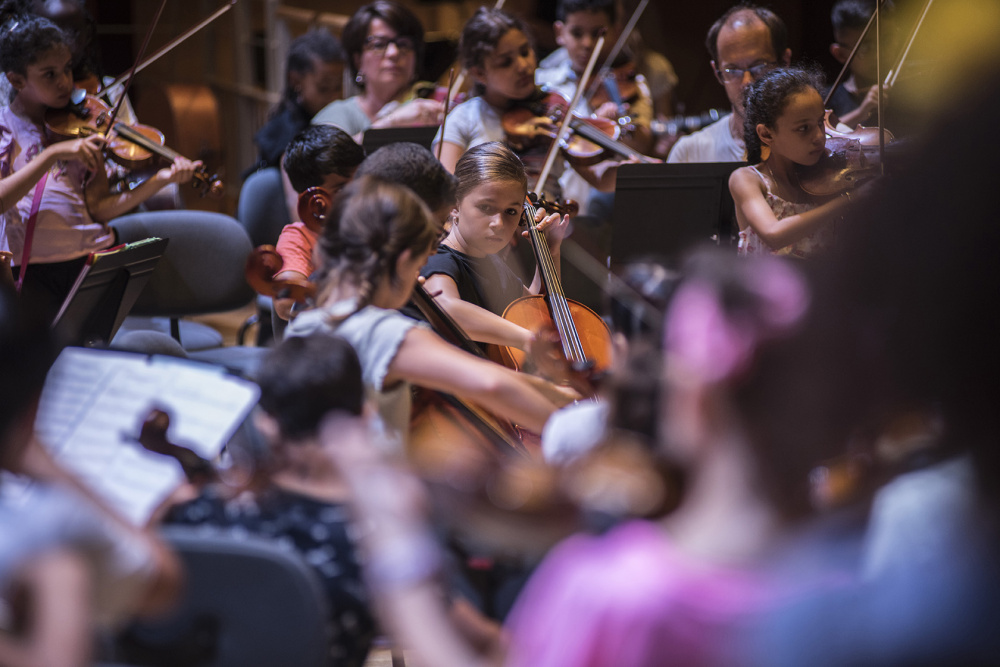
{"x": 856, "y": 100}
{"x": 579, "y": 24}
{"x": 320, "y": 156}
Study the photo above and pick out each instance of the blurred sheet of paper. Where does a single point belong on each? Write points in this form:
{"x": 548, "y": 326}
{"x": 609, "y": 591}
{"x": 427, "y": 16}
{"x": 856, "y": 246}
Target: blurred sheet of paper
{"x": 95, "y": 400}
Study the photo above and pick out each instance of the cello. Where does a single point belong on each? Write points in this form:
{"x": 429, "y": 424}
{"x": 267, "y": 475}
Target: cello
{"x": 583, "y": 336}
{"x": 438, "y": 417}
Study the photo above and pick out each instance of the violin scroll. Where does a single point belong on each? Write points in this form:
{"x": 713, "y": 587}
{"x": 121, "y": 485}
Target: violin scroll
{"x": 314, "y": 204}
{"x": 261, "y": 267}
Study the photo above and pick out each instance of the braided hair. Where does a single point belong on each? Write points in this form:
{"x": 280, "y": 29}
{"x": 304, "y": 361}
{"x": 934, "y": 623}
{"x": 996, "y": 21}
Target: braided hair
{"x": 372, "y": 223}
{"x": 766, "y": 98}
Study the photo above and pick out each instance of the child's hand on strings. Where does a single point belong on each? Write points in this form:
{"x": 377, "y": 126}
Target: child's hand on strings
{"x": 181, "y": 171}
{"x": 87, "y": 150}
{"x": 554, "y": 226}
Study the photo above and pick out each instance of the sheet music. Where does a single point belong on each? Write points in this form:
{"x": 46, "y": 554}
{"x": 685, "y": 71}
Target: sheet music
{"x": 94, "y": 402}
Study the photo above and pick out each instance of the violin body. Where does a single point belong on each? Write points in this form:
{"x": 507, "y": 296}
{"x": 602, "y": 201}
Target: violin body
{"x": 582, "y": 147}
{"x": 132, "y": 146}
{"x": 851, "y": 158}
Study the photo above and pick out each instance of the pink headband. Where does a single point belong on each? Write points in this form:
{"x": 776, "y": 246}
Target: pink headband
{"x": 705, "y": 342}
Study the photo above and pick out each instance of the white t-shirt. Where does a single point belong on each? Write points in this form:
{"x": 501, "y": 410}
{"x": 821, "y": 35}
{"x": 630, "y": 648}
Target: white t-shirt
{"x": 375, "y": 334}
{"x": 714, "y": 143}
{"x": 475, "y": 122}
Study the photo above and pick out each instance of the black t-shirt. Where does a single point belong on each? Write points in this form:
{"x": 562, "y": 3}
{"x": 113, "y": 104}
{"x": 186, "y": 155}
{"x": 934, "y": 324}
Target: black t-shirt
{"x": 485, "y": 281}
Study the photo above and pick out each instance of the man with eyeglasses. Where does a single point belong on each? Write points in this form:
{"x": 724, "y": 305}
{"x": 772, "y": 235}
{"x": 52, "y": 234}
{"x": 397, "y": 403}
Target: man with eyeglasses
{"x": 744, "y": 43}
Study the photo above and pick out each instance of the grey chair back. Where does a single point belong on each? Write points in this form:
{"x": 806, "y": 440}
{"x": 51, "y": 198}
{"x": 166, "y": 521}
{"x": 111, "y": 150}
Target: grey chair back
{"x": 247, "y": 603}
{"x": 201, "y": 271}
{"x": 261, "y": 207}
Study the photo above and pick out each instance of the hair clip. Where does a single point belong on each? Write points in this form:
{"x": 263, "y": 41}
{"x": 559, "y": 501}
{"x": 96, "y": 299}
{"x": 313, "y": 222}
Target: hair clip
{"x": 13, "y": 26}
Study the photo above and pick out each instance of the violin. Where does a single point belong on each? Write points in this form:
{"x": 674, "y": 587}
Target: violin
{"x": 850, "y": 159}
{"x": 132, "y": 146}
{"x": 591, "y": 140}
{"x": 153, "y": 438}
{"x": 583, "y": 336}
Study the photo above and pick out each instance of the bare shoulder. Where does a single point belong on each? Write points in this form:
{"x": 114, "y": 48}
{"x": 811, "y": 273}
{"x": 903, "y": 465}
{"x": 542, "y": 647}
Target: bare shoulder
{"x": 746, "y": 180}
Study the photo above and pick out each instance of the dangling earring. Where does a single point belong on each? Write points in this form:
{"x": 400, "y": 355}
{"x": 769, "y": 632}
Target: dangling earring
{"x": 765, "y": 152}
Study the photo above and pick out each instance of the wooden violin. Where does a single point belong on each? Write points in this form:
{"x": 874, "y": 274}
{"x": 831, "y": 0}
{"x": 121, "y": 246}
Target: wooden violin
{"x": 850, "y": 159}
{"x": 590, "y": 141}
{"x": 583, "y": 336}
{"x": 132, "y": 146}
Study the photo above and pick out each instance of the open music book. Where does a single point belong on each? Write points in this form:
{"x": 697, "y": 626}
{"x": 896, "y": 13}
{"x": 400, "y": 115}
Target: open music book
{"x": 94, "y": 402}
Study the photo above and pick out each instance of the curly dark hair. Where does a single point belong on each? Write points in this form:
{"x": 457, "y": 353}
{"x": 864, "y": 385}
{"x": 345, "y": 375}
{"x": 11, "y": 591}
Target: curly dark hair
{"x": 24, "y": 38}
{"x": 766, "y": 98}
{"x": 397, "y": 17}
{"x": 318, "y": 151}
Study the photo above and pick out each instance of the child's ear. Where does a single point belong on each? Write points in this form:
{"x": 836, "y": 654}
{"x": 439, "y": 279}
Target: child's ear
{"x": 559, "y": 26}
{"x": 17, "y": 81}
{"x": 839, "y": 53}
{"x": 765, "y": 134}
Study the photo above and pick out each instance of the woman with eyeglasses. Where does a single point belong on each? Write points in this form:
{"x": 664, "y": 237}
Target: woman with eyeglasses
{"x": 385, "y": 45}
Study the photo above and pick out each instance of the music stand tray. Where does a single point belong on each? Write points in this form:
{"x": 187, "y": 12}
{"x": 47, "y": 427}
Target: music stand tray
{"x": 664, "y": 209}
{"x": 105, "y": 291}
{"x": 377, "y": 138}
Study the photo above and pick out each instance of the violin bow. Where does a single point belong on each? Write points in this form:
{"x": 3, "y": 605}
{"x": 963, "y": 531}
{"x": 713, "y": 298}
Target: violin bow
{"x": 550, "y": 158}
{"x": 171, "y": 45}
{"x": 447, "y": 104}
{"x": 617, "y": 48}
{"x": 138, "y": 59}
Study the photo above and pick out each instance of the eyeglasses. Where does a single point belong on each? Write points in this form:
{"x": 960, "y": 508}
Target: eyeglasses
{"x": 731, "y": 74}
{"x": 377, "y": 44}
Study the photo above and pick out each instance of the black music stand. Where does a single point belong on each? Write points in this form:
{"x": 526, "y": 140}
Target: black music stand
{"x": 664, "y": 209}
{"x": 375, "y": 139}
{"x": 105, "y": 291}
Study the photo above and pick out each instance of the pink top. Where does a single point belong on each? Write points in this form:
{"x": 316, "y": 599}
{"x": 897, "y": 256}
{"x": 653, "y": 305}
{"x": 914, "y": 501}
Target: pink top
{"x": 751, "y": 244}
{"x": 295, "y": 245}
{"x": 631, "y": 598}
{"x": 64, "y": 229}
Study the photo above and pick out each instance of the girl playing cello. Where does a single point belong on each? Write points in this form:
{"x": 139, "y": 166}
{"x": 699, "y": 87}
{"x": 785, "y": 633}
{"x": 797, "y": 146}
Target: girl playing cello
{"x": 376, "y": 239}
{"x": 474, "y": 284}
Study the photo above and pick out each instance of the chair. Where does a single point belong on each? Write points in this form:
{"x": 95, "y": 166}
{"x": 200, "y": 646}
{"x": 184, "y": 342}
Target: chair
{"x": 201, "y": 272}
{"x": 247, "y": 603}
{"x": 262, "y": 212}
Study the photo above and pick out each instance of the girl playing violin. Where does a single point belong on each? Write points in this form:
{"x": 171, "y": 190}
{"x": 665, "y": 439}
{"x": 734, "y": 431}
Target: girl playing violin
{"x": 62, "y": 185}
{"x": 377, "y": 237}
{"x": 785, "y": 116}
{"x": 474, "y": 285}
